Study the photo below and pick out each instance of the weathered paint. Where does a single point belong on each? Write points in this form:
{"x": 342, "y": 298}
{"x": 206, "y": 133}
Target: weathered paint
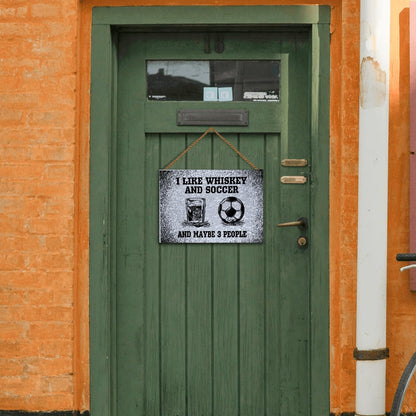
{"x": 373, "y": 83}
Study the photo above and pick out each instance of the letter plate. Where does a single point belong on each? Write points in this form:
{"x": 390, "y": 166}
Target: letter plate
{"x": 212, "y": 118}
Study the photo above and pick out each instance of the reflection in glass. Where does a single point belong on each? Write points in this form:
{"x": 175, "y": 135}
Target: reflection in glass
{"x": 186, "y": 80}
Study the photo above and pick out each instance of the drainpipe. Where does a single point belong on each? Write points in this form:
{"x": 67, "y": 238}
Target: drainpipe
{"x": 371, "y": 351}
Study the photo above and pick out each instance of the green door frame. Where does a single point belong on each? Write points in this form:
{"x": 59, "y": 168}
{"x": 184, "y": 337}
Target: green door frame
{"x": 107, "y": 21}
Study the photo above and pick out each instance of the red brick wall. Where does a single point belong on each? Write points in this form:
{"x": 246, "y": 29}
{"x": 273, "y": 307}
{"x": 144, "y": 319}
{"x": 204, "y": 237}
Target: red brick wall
{"x": 37, "y": 136}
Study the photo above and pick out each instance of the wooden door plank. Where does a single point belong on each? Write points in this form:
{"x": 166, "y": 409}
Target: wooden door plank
{"x": 294, "y": 265}
{"x": 299, "y": 92}
{"x": 128, "y": 278}
{"x": 172, "y": 305}
{"x": 199, "y": 302}
{"x": 272, "y": 273}
{"x": 225, "y": 308}
{"x": 251, "y": 305}
{"x": 272, "y": 242}
{"x": 319, "y": 291}
{"x": 151, "y": 287}
{"x": 102, "y": 385}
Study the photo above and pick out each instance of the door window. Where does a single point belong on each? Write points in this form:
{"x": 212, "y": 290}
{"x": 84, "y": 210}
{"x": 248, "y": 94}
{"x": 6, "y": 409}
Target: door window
{"x": 213, "y": 80}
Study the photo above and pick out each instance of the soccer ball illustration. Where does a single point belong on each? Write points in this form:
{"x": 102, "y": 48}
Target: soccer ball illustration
{"x": 231, "y": 210}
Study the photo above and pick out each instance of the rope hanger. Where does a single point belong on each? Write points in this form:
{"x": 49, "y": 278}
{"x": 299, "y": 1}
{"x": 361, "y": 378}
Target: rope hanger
{"x": 211, "y": 130}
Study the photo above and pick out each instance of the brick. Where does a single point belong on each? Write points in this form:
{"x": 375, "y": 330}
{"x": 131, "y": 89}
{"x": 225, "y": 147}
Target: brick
{"x": 63, "y": 297}
{"x": 21, "y": 12}
{"x": 61, "y": 190}
{"x": 12, "y": 296}
{"x": 9, "y": 207}
{"x": 56, "y": 348}
{"x": 31, "y": 170}
{"x": 10, "y": 61}
{"x": 7, "y": 12}
{"x": 11, "y": 30}
{"x": 49, "y": 330}
{"x": 17, "y": 137}
{"x": 56, "y": 67}
{"x": 42, "y": 296}
{"x": 53, "y": 153}
{"x": 62, "y": 280}
{"x": 67, "y": 84}
{"x": 62, "y": 384}
{"x": 59, "y": 243}
{"x": 12, "y": 402}
{"x": 19, "y": 100}
{"x": 50, "y": 192}
{"x": 10, "y": 116}
{"x": 5, "y": 313}
{"x": 19, "y": 349}
{"x": 8, "y": 227}
{"x": 13, "y": 330}
{"x": 46, "y": 10}
{"x": 66, "y": 101}
{"x": 37, "y": 189}
{"x": 22, "y": 386}
{"x": 17, "y": 209}
{"x": 53, "y": 49}
{"x": 17, "y": 153}
{"x": 21, "y": 279}
{"x": 49, "y": 366}
{"x": 13, "y": 2}
{"x": 29, "y": 283}
{"x": 51, "y": 118}
{"x": 11, "y": 367}
{"x": 33, "y": 313}
{"x": 13, "y": 261}
{"x": 65, "y": 208}
{"x": 45, "y": 226}
{"x": 57, "y": 29}
{"x": 63, "y": 171}
{"x": 43, "y": 402}
{"x": 9, "y": 82}
{"x": 21, "y": 137}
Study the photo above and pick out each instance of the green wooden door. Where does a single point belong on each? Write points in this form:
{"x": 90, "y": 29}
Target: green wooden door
{"x": 211, "y": 329}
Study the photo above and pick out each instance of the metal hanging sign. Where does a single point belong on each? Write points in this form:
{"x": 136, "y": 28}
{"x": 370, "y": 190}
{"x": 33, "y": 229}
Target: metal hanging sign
{"x": 210, "y": 206}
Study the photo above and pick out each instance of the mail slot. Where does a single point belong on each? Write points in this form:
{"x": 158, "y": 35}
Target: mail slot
{"x": 212, "y": 117}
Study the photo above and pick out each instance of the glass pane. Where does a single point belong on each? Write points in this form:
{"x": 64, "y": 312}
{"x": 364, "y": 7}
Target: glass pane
{"x": 213, "y": 80}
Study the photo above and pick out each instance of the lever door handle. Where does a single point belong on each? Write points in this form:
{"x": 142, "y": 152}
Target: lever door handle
{"x": 301, "y": 222}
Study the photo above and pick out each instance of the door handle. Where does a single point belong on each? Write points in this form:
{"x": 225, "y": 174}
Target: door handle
{"x": 301, "y": 222}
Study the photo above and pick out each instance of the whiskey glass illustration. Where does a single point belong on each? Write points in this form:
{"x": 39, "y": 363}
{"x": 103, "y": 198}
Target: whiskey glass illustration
{"x": 195, "y": 211}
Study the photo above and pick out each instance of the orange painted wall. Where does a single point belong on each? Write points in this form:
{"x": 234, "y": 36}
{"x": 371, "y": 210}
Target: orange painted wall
{"x": 37, "y": 176}
{"x": 401, "y": 303}
{"x": 44, "y": 135}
